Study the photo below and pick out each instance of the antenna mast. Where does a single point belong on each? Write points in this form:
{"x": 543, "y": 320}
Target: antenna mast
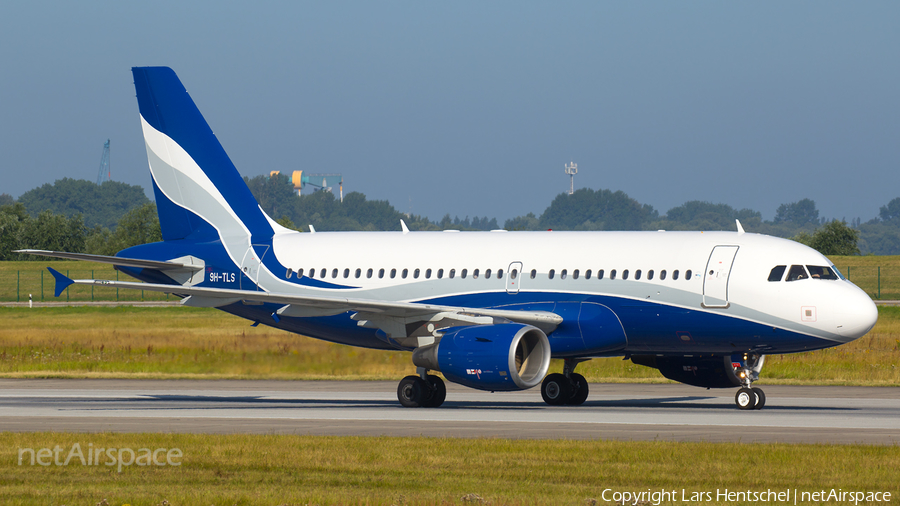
{"x": 571, "y": 170}
{"x": 104, "y": 164}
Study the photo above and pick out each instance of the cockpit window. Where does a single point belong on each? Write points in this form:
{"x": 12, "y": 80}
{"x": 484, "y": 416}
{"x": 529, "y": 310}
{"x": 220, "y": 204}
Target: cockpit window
{"x": 777, "y": 273}
{"x": 821, "y": 272}
{"x": 797, "y": 272}
{"x": 839, "y": 273}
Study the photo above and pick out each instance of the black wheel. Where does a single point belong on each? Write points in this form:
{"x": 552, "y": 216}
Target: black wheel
{"x": 745, "y": 398}
{"x": 760, "y": 397}
{"x": 579, "y": 390}
{"x": 436, "y": 394}
{"x": 556, "y": 389}
{"x": 411, "y": 391}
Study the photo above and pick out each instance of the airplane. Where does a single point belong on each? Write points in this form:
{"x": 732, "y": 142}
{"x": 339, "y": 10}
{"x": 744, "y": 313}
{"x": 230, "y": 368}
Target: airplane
{"x": 487, "y": 310}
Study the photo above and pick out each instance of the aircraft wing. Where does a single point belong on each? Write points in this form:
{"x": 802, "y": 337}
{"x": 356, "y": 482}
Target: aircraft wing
{"x": 124, "y": 262}
{"x": 405, "y": 322}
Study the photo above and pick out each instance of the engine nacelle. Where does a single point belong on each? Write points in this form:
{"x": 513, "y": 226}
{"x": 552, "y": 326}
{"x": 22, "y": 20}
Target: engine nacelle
{"x": 707, "y": 372}
{"x": 508, "y": 356}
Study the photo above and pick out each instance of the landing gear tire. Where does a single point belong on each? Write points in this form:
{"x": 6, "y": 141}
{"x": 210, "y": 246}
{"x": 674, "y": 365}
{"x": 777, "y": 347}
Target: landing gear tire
{"x": 410, "y": 391}
{"x": 760, "y": 397}
{"x": 414, "y": 392}
{"x": 745, "y": 398}
{"x": 437, "y": 391}
{"x": 556, "y": 389}
{"x": 580, "y": 390}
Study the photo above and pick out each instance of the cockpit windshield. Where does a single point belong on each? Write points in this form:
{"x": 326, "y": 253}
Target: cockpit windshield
{"x": 796, "y": 273}
{"x": 821, "y": 272}
{"x": 839, "y": 273}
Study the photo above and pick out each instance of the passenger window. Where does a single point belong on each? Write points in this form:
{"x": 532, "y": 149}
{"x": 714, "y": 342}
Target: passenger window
{"x": 334, "y": 273}
{"x": 625, "y": 274}
{"x": 600, "y": 274}
{"x": 796, "y": 273}
{"x": 675, "y": 274}
{"x": 393, "y": 273}
{"x": 323, "y": 272}
{"x": 587, "y": 274}
{"x": 637, "y": 274}
{"x": 575, "y": 274}
{"x": 821, "y": 272}
{"x": 452, "y": 273}
{"x": 416, "y": 274}
{"x": 650, "y": 274}
{"x": 777, "y": 272}
{"x": 499, "y": 273}
{"x": 299, "y": 273}
{"x": 487, "y": 274}
{"x": 440, "y": 273}
{"x": 662, "y": 274}
{"x": 475, "y": 274}
{"x": 687, "y": 275}
{"x": 612, "y": 274}
{"x": 533, "y": 273}
{"x": 381, "y": 273}
{"x": 563, "y": 274}
{"x": 312, "y": 273}
{"x": 358, "y": 273}
{"x": 551, "y": 274}
{"x": 463, "y": 273}
{"x": 369, "y": 273}
{"x": 513, "y": 273}
{"x": 289, "y": 273}
{"x": 404, "y": 273}
{"x": 427, "y": 273}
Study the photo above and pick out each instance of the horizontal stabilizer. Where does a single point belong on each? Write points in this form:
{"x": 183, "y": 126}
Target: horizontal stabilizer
{"x": 124, "y": 262}
{"x": 62, "y": 281}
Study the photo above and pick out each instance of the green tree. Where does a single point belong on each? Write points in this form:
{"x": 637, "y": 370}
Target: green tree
{"x": 698, "y": 215}
{"x": 101, "y": 205}
{"x": 527, "y": 222}
{"x": 587, "y": 209}
{"x": 798, "y": 213}
{"x": 833, "y": 238}
{"x": 891, "y": 212}
{"x": 138, "y": 226}
{"x": 6, "y": 199}
{"x": 54, "y": 232}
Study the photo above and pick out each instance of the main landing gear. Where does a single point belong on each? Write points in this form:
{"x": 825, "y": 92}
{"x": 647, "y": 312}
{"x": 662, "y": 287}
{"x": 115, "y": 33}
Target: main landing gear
{"x": 749, "y": 397}
{"x": 568, "y": 388}
{"x": 424, "y": 390}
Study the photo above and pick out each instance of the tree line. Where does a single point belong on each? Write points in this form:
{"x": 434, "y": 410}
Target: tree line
{"x": 80, "y": 216}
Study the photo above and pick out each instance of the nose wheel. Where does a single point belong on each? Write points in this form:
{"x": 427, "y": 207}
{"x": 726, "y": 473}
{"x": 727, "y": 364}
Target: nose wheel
{"x": 749, "y": 397}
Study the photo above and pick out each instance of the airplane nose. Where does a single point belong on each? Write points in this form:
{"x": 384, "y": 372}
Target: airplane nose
{"x": 858, "y": 315}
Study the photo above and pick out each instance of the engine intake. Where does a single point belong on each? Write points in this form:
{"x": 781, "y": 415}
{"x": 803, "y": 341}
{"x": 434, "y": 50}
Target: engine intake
{"x": 503, "y": 357}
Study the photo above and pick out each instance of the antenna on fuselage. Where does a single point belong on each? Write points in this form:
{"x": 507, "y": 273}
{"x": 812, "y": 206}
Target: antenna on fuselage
{"x": 740, "y": 229}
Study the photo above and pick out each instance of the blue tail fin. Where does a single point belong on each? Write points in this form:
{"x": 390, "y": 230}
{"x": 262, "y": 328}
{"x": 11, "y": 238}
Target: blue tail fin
{"x": 198, "y": 190}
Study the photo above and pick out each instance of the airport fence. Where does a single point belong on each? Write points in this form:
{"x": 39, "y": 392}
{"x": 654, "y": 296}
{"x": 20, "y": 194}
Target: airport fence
{"x": 880, "y": 282}
{"x": 38, "y": 283}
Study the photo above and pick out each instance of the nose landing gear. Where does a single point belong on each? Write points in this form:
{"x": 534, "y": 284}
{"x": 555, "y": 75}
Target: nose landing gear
{"x": 569, "y": 388}
{"x": 749, "y": 397}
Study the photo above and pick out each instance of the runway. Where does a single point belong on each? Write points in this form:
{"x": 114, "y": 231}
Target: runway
{"x": 838, "y": 415}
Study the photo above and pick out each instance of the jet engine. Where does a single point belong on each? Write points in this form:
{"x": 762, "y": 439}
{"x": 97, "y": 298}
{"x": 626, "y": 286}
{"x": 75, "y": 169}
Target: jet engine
{"x": 502, "y": 357}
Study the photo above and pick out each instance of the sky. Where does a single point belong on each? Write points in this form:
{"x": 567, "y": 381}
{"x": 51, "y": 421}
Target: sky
{"x": 474, "y": 108}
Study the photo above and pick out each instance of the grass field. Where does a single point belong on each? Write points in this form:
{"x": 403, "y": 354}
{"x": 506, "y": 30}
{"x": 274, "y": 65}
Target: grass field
{"x": 276, "y": 470}
{"x": 179, "y": 342}
{"x": 879, "y": 276}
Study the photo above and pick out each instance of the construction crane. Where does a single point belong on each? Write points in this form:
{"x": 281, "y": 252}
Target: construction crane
{"x": 104, "y": 164}
{"x": 317, "y": 181}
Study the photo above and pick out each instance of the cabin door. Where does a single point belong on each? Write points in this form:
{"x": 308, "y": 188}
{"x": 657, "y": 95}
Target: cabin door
{"x": 250, "y": 266}
{"x": 715, "y": 279}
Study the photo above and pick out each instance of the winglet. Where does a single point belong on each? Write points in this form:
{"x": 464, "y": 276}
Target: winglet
{"x": 740, "y": 229}
{"x": 404, "y": 227}
{"x": 62, "y": 281}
